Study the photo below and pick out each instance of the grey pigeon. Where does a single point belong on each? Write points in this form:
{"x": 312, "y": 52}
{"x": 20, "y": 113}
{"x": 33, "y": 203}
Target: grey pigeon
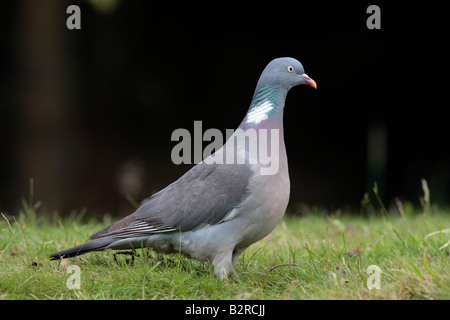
{"x": 225, "y": 203}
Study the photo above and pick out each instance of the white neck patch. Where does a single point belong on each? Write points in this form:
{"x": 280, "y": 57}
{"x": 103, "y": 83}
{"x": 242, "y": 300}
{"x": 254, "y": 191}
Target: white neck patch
{"x": 259, "y": 113}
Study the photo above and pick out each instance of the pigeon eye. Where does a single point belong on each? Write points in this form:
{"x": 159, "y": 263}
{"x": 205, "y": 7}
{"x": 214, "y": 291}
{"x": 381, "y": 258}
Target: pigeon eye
{"x": 290, "y": 68}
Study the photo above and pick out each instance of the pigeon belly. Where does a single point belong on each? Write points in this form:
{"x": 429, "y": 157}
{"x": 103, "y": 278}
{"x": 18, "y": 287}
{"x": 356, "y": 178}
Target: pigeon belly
{"x": 268, "y": 203}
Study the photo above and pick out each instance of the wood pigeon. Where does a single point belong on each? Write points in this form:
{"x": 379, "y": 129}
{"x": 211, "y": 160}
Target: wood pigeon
{"x": 225, "y": 203}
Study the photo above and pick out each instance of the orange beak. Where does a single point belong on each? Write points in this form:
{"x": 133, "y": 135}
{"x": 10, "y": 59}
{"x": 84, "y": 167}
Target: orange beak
{"x": 309, "y": 81}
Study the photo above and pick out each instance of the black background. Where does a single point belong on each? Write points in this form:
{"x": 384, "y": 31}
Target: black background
{"x": 131, "y": 76}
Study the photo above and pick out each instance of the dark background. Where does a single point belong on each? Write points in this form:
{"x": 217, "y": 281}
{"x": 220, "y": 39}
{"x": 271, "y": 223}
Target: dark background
{"x": 88, "y": 114}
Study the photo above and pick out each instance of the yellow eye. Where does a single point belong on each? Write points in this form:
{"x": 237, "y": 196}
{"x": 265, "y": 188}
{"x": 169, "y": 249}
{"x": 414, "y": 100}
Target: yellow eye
{"x": 290, "y": 69}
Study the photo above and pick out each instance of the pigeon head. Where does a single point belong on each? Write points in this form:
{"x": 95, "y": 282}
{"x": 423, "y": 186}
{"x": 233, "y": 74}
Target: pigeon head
{"x": 285, "y": 72}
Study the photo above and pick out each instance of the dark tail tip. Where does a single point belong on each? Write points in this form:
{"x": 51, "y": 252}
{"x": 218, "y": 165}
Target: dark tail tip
{"x": 94, "y": 245}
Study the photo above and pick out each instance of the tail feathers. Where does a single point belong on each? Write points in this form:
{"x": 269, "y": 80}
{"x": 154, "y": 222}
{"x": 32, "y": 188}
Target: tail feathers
{"x": 94, "y": 245}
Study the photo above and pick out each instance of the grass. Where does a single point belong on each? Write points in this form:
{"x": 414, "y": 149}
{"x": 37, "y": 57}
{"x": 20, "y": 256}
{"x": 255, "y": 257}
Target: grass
{"x": 317, "y": 256}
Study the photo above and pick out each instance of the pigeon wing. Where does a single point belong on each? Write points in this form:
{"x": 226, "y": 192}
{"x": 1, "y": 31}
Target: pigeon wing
{"x": 202, "y": 196}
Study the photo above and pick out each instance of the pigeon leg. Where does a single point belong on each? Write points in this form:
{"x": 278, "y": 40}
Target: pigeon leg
{"x": 222, "y": 264}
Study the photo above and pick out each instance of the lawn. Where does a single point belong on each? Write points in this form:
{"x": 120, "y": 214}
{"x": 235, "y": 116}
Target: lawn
{"x": 314, "y": 256}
